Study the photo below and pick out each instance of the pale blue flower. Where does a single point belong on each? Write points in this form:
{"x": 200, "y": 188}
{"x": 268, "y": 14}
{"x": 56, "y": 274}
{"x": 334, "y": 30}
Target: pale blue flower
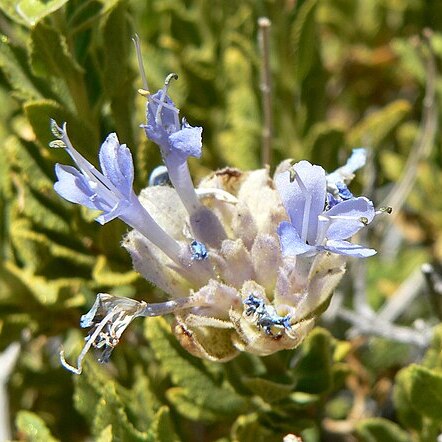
{"x": 164, "y": 128}
{"x": 313, "y": 229}
{"x": 109, "y": 191}
{"x": 178, "y": 141}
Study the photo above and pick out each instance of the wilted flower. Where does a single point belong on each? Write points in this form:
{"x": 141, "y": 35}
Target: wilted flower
{"x": 249, "y": 261}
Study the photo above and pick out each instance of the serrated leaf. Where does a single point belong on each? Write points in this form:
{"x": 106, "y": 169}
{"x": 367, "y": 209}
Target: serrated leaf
{"x": 20, "y": 232}
{"x": 50, "y": 55}
{"x": 88, "y": 389}
{"x": 33, "y": 427}
{"x": 377, "y": 125}
{"x": 268, "y": 390}
{"x": 110, "y": 411}
{"x": 51, "y": 58}
{"x": 161, "y": 429}
{"x": 406, "y": 413}
{"x": 247, "y": 428}
{"x": 15, "y": 73}
{"x": 142, "y": 403}
{"x": 103, "y": 275}
{"x": 426, "y": 391}
{"x": 117, "y": 77}
{"x": 189, "y": 373}
{"x": 45, "y": 291}
{"x": 238, "y": 142}
{"x": 39, "y": 114}
{"x": 304, "y": 39}
{"x": 32, "y": 11}
{"x": 184, "y": 403}
{"x": 378, "y": 429}
{"x": 314, "y": 369}
{"x": 324, "y": 142}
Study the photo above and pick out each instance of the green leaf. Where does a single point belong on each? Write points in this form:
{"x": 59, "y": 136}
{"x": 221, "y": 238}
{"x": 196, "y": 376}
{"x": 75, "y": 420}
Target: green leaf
{"x": 104, "y": 275}
{"x": 105, "y": 435}
{"x": 304, "y": 38}
{"x": 110, "y": 411}
{"x": 39, "y": 113}
{"x": 8, "y": 7}
{"x": 406, "y": 413}
{"x": 161, "y": 429}
{"x": 314, "y": 369}
{"x": 239, "y": 140}
{"x": 45, "y": 291}
{"x": 268, "y": 390}
{"x": 16, "y": 73}
{"x": 374, "y": 128}
{"x": 141, "y": 403}
{"x": 247, "y": 428}
{"x": 50, "y": 55}
{"x": 325, "y": 141}
{"x": 197, "y": 386}
{"x": 117, "y": 76}
{"x": 378, "y": 429}
{"x": 33, "y": 11}
{"x": 426, "y": 391}
{"x": 33, "y": 428}
{"x": 184, "y": 402}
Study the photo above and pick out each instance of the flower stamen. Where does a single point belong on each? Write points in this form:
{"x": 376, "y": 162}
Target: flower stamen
{"x": 162, "y": 101}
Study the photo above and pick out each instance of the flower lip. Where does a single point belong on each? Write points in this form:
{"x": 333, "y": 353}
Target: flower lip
{"x": 313, "y": 228}
{"x": 163, "y": 126}
{"x": 110, "y": 191}
{"x": 303, "y": 198}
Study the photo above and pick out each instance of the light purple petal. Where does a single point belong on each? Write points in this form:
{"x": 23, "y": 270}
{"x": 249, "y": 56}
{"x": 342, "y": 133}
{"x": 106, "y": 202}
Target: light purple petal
{"x": 303, "y": 203}
{"x": 116, "y": 212}
{"x": 348, "y": 217}
{"x": 291, "y": 243}
{"x": 345, "y": 173}
{"x": 187, "y": 141}
{"x": 73, "y": 186}
{"x": 348, "y": 249}
{"x": 116, "y": 164}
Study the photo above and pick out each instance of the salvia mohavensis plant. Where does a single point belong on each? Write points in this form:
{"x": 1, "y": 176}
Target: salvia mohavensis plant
{"x": 225, "y": 297}
{"x": 248, "y": 260}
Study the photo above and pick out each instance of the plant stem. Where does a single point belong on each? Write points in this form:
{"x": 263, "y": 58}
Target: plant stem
{"x": 266, "y": 90}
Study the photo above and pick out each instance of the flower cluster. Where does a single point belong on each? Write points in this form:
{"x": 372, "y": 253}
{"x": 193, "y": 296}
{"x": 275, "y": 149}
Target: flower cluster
{"x": 247, "y": 260}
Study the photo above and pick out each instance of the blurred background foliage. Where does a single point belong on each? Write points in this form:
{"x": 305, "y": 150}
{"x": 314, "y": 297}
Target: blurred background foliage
{"x": 344, "y": 74}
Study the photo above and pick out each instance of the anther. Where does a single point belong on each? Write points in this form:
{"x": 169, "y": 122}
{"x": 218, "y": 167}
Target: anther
{"x": 162, "y": 101}
{"x": 56, "y": 130}
{"x": 199, "y": 251}
{"x": 292, "y": 175}
{"x": 57, "y": 144}
{"x": 143, "y": 92}
{"x": 385, "y": 210}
